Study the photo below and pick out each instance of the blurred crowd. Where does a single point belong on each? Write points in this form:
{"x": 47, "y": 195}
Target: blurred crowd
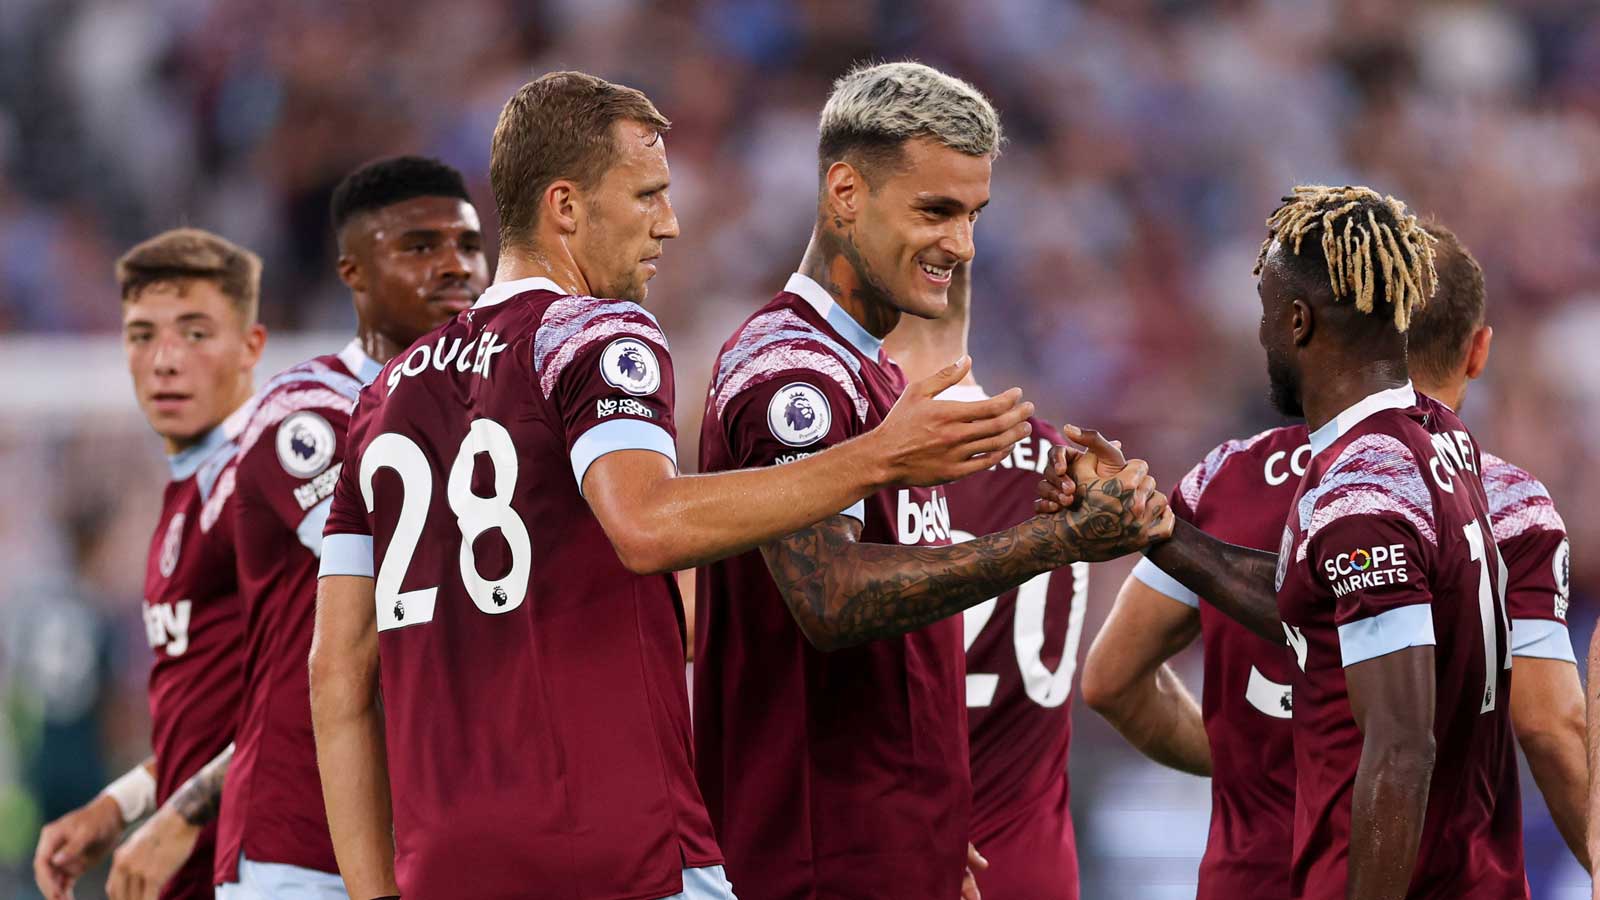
{"x": 1148, "y": 142}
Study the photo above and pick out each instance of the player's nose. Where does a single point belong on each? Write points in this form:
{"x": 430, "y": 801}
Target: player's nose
{"x": 667, "y": 227}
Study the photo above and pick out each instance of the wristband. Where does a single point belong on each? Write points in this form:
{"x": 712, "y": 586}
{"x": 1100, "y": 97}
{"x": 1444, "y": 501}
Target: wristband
{"x": 134, "y": 793}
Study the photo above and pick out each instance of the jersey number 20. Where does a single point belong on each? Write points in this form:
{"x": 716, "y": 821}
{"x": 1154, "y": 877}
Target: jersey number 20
{"x": 475, "y": 515}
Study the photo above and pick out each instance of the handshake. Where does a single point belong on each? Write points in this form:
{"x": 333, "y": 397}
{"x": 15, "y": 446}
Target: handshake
{"x": 1100, "y": 504}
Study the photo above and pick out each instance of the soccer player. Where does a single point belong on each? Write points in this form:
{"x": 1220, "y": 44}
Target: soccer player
{"x": 189, "y": 329}
{"x": 1022, "y": 648}
{"x": 411, "y": 253}
{"x": 503, "y": 534}
{"x": 1240, "y": 492}
{"x": 830, "y": 726}
{"x": 1387, "y": 585}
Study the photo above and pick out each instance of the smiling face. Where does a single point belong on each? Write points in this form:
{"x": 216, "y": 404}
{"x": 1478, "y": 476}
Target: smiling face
{"x": 916, "y": 223}
{"x": 622, "y": 221}
{"x": 190, "y": 355}
{"x": 414, "y": 264}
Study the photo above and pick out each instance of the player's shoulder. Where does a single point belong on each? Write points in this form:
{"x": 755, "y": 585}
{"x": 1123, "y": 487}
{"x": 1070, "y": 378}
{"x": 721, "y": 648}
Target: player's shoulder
{"x": 1376, "y": 469}
{"x": 780, "y": 340}
{"x": 568, "y": 325}
{"x": 295, "y": 415}
{"x": 1239, "y": 455}
{"x": 1518, "y": 502}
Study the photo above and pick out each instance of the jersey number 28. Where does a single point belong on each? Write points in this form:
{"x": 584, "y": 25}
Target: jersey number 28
{"x": 475, "y": 516}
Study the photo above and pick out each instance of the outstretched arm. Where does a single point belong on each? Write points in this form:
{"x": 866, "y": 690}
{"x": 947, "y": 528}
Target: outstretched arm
{"x": 351, "y": 754}
{"x": 843, "y": 592}
{"x": 1126, "y": 678}
{"x": 661, "y": 521}
{"x": 1392, "y": 697}
{"x": 1239, "y": 581}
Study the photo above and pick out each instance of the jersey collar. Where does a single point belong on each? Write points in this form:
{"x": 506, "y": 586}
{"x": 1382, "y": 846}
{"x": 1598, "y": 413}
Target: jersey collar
{"x": 364, "y": 367}
{"x": 501, "y": 291}
{"x": 842, "y": 322}
{"x": 187, "y": 461}
{"x": 1402, "y": 397}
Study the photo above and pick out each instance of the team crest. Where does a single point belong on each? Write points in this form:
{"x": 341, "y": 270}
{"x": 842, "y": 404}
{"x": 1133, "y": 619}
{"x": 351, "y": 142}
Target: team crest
{"x": 1561, "y": 564}
{"x": 799, "y": 415}
{"x": 1285, "y": 548}
{"x": 629, "y": 363}
{"x": 170, "y": 545}
{"x": 305, "y": 444}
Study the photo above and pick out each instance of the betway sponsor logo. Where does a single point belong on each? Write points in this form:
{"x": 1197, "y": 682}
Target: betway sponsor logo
{"x": 921, "y": 523}
{"x": 1363, "y": 568}
{"x": 167, "y": 625}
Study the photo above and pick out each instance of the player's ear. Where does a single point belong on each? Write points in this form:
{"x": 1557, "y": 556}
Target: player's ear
{"x": 843, "y": 189}
{"x": 255, "y": 340}
{"x": 562, "y": 206}
{"x": 1478, "y": 351}
{"x": 350, "y": 272}
{"x": 1302, "y": 321}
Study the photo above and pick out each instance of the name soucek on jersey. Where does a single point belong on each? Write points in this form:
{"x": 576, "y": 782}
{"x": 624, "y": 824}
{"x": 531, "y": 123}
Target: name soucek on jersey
{"x": 195, "y": 625}
{"x": 1022, "y": 655}
{"x": 1240, "y": 493}
{"x": 282, "y": 478}
{"x": 827, "y": 775}
{"x": 1389, "y": 545}
{"x": 537, "y": 722}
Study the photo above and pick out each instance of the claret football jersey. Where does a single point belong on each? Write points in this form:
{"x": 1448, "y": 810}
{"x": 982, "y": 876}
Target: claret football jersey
{"x": 827, "y": 775}
{"x": 537, "y": 721}
{"x": 1022, "y": 658}
{"x": 1388, "y": 546}
{"x": 289, "y": 457}
{"x": 1240, "y": 493}
{"x": 195, "y": 625}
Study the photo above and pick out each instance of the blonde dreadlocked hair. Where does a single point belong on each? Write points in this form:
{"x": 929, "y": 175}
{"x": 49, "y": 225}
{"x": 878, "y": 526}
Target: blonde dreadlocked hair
{"x": 1367, "y": 239}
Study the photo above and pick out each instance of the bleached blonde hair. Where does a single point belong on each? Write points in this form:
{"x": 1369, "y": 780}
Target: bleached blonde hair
{"x": 875, "y": 108}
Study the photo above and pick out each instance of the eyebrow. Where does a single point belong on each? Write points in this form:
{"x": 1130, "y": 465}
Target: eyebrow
{"x": 436, "y": 233}
{"x": 941, "y": 200}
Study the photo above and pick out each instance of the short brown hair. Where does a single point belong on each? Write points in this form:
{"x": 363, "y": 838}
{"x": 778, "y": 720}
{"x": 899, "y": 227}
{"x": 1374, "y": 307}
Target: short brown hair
{"x": 557, "y": 126}
{"x": 1442, "y": 330}
{"x": 190, "y": 253}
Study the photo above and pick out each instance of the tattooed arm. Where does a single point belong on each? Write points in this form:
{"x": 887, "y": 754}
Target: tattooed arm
{"x": 149, "y": 858}
{"x": 843, "y": 592}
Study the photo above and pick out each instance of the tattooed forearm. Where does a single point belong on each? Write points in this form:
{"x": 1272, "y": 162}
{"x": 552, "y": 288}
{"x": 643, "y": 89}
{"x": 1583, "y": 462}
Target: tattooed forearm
{"x": 844, "y": 593}
{"x": 200, "y": 798}
{"x": 1237, "y": 580}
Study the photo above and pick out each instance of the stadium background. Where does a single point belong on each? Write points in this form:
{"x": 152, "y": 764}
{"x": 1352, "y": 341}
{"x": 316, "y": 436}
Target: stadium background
{"x": 1148, "y": 142}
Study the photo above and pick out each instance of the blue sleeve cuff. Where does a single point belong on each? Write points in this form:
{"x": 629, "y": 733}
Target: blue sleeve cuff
{"x": 619, "y": 434}
{"x": 346, "y": 554}
{"x": 1541, "y": 639}
{"x": 1386, "y": 633}
{"x": 857, "y": 511}
{"x": 310, "y": 530}
{"x": 1151, "y": 575}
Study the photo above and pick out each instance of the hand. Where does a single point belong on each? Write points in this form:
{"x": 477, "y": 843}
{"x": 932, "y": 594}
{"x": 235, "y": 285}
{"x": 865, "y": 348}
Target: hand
{"x": 149, "y": 858}
{"x": 924, "y": 441}
{"x": 969, "y": 882}
{"x": 1111, "y": 517}
{"x": 71, "y": 844}
{"x": 1058, "y": 489}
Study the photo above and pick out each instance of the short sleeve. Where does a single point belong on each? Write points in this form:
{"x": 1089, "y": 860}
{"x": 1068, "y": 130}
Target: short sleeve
{"x": 347, "y": 536}
{"x": 1372, "y": 569}
{"x": 1537, "y": 564}
{"x": 788, "y": 417}
{"x": 290, "y": 459}
{"x": 605, "y": 367}
{"x": 1152, "y": 576}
